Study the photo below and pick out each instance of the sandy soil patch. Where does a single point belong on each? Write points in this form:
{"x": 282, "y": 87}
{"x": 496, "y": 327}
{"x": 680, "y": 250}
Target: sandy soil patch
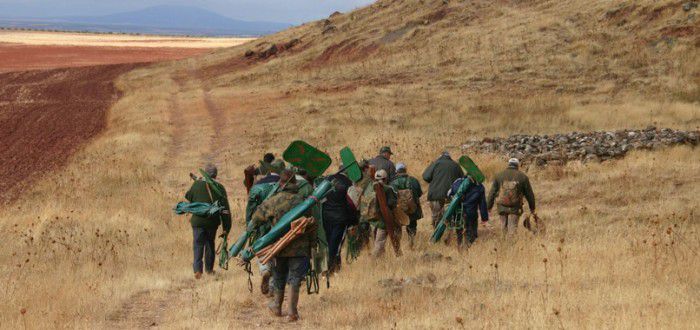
{"x": 111, "y": 40}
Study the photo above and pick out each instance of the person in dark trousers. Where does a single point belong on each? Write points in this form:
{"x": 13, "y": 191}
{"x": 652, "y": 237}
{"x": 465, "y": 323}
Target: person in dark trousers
{"x": 204, "y": 228}
{"x": 383, "y": 162}
{"x": 473, "y": 204}
{"x": 403, "y": 181}
{"x": 440, "y": 175}
{"x": 338, "y": 214}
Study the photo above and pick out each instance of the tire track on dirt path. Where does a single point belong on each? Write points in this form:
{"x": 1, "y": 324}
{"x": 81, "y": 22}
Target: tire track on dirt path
{"x": 216, "y": 115}
{"x": 196, "y": 127}
{"x": 150, "y": 308}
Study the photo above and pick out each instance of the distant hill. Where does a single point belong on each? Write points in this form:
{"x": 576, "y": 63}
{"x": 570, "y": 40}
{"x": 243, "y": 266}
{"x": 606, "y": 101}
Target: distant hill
{"x": 165, "y": 19}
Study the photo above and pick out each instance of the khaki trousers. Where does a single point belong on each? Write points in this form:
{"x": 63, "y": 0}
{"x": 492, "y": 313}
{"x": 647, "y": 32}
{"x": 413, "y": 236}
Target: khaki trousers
{"x": 437, "y": 209}
{"x": 509, "y": 222}
{"x": 380, "y": 238}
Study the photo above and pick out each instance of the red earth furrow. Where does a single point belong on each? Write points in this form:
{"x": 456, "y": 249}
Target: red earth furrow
{"x": 47, "y": 115}
{"x": 16, "y": 57}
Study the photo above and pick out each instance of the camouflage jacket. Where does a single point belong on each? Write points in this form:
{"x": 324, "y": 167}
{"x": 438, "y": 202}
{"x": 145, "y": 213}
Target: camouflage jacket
{"x": 305, "y": 188}
{"x": 272, "y": 209}
{"x": 391, "y": 201}
{"x": 522, "y": 183}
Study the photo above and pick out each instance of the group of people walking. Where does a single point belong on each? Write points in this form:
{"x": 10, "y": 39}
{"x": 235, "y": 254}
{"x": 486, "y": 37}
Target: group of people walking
{"x": 373, "y": 209}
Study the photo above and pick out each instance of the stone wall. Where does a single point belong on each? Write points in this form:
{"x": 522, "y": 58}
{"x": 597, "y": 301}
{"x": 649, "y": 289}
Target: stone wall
{"x": 558, "y": 149}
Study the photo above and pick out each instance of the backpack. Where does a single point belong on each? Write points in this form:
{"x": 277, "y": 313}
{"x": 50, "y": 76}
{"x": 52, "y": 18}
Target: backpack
{"x": 368, "y": 204}
{"x": 354, "y": 195}
{"x": 406, "y": 202}
{"x": 510, "y": 195}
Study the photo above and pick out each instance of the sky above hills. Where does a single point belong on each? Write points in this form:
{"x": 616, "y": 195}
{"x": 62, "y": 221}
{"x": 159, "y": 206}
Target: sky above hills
{"x": 287, "y": 11}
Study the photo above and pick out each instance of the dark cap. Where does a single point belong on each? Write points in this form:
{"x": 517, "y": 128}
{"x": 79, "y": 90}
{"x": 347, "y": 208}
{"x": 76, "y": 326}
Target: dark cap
{"x": 385, "y": 149}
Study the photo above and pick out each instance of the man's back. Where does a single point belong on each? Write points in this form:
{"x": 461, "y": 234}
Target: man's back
{"x": 520, "y": 183}
{"x": 336, "y": 205}
{"x": 382, "y": 163}
{"x": 272, "y": 209}
{"x": 198, "y": 193}
{"x": 391, "y": 202}
{"x": 440, "y": 175}
{"x": 404, "y": 181}
{"x": 474, "y": 197}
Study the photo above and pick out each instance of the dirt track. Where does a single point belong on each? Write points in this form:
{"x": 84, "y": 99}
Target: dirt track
{"x": 16, "y": 57}
{"x": 47, "y": 115}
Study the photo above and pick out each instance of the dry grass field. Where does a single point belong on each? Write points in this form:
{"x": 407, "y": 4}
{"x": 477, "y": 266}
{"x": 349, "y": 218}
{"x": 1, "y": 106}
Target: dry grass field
{"x": 41, "y": 38}
{"x": 96, "y": 245}
{"x": 37, "y": 50}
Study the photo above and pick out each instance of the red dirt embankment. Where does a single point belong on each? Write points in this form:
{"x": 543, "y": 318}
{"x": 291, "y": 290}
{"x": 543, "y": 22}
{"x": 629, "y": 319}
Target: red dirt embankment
{"x": 45, "y": 116}
{"x": 16, "y": 57}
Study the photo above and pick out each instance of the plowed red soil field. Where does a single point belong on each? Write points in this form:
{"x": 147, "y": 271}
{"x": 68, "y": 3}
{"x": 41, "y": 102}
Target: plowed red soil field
{"x": 46, "y": 115}
{"x": 17, "y": 57}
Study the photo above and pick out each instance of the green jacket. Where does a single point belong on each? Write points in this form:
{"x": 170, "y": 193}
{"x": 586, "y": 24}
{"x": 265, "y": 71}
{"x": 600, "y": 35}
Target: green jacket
{"x": 274, "y": 208}
{"x": 391, "y": 201}
{"x": 198, "y": 193}
{"x": 404, "y": 181}
{"x": 258, "y": 194}
{"x": 522, "y": 184}
{"x": 440, "y": 175}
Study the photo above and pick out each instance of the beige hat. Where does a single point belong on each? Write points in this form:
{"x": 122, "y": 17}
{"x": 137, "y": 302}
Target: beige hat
{"x": 380, "y": 175}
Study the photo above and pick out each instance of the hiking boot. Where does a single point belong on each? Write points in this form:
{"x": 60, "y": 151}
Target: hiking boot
{"x": 265, "y": 283}
{"x": 198, "y": 275}
{"x": 293, "y": 314}
{"x": 275, "y": 304}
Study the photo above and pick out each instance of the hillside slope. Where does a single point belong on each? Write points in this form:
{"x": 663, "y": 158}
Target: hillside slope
{"x": 585, "y": 48}
{"x": 423, "y": 76}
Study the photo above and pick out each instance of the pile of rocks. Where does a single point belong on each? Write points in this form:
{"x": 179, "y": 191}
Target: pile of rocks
{"x": 558, "y": 149}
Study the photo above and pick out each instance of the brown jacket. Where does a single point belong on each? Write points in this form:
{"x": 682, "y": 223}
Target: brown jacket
{"x": 511, "y": 176}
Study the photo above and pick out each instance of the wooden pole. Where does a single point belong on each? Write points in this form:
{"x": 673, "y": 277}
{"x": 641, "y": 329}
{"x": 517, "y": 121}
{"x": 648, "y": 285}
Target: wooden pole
{"x": 388, "y": 216}
{"x": 298, "y": 228}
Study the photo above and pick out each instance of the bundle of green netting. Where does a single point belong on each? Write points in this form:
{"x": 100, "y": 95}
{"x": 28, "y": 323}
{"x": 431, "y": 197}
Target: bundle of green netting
{"x": 199, "y": 209}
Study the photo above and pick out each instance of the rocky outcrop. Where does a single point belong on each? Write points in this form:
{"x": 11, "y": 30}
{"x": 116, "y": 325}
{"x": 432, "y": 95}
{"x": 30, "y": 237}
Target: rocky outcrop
{"x": 558, "y": 149}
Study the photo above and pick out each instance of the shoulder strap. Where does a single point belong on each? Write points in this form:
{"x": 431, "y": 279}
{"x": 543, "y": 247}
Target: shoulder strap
{"x": 405, "y": 184}
{"x": 209, "y": 192}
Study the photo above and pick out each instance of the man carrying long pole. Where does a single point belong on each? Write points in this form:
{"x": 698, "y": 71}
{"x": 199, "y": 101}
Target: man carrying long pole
{"x": 384, "y": 225}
